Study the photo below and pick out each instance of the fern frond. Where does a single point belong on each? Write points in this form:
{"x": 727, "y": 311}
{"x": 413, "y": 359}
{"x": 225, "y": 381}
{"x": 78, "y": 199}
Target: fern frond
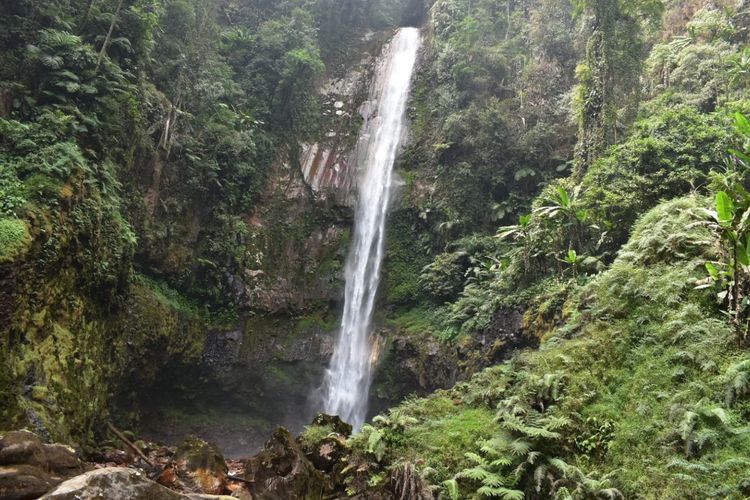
{"x": 563, "y": 467}
{"x": 451, "y": 488}
{"x": 474, "y": 473}
{"x": 501, "y": 462}
{"x": 493, "y": 481}
{"x": 519, "y": 447}
{"x": 611, "y": 493}
{"x": 533, "y": 456}
{"x": 504, "y": 493}
{"x": 554, "y": 423}
{"x": 540, "y": 474}
{"x": 476, "y": 458}
{"x": 720, "y": 414}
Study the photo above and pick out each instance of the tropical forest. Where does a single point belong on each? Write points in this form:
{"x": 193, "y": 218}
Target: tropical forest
{"x": 374, "y": 249}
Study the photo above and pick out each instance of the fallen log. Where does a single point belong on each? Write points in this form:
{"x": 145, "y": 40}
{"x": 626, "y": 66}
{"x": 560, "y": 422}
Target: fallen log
{"x": 129, "y": 444}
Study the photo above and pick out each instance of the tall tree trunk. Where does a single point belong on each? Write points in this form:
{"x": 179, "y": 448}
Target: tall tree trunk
{"x": 87, "y": 13}
{"x": 103, "y": 52}
{"x": 592, "y": 133}
{"x": 508, "y": 13}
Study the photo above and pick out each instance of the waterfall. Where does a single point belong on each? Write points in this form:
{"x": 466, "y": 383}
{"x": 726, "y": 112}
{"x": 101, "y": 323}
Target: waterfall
{"x": 347, "y": 379}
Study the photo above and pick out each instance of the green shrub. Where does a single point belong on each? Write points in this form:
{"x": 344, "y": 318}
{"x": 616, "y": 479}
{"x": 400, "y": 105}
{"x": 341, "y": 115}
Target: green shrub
{"x": 14, "y": 239}
{"x": 444, "y": 279}
{"x": 313, "y": 434}
{"x": 667, "y": 156}
{"x": 669, "y": 233}
{"x": 12, "y": 197}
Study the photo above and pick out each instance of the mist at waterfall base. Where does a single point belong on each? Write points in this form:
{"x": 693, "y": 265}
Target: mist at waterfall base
{"x": 347, "y": 380}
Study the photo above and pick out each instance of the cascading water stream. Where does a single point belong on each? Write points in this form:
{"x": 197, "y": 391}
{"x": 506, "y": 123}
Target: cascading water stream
{"x": 347, "y": 380}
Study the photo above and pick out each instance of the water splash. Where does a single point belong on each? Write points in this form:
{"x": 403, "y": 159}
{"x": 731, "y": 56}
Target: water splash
{"x": 347, "y": 380}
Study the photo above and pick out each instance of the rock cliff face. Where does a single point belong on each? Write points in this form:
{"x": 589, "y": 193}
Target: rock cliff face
{"x": 327, "y": 171}
{"x": 329, "y": 165}
{"x": 295, "y": 250}
{"x": 414, "y": 365}
{"x": 152, "y": 347}
{"x": 299, "y": 232}
{"x": 266, "y": 368}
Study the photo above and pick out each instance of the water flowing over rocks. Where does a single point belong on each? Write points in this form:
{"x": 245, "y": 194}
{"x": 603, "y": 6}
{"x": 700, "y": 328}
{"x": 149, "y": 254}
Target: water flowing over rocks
{"x": 347, "y": 382}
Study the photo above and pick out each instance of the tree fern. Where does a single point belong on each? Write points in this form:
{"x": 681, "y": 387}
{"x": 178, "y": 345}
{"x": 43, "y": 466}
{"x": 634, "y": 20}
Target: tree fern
{"x": 500, "y": 492}
{"x": 739, "y": 381}
{"x": 478, "y": 473}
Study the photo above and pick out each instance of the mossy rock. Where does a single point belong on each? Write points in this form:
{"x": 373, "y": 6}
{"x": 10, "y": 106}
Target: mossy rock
{"x": 281, "y": 470}
{"x": 14, "y": 239}
{"x": 334, "y": 423}
{"x": 199, "y": 454}
{"x": 202, "y": 464}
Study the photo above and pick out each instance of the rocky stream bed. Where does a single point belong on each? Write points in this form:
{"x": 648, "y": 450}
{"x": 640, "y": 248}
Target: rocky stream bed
{"x": 286, "y": 468}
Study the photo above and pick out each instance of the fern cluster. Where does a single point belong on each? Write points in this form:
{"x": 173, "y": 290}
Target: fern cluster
{"x": 520, "y": 461}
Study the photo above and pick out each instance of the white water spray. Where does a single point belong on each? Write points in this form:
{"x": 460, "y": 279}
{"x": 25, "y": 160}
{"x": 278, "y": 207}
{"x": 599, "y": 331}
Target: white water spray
{"x": 347, "y": 380}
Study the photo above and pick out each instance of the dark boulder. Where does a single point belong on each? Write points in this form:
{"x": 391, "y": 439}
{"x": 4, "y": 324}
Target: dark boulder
{"x": 334, "y": 422}
{"x": 196, "y": 466}
{"x": 19, "y": 482}
{"x": 21, "y": 447}
{"x": 29, "y": 468}
{"x": 281, "y": 471}
{"x": 328, "y": 452}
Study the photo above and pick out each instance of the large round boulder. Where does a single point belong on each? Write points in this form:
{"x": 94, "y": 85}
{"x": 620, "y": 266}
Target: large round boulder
{"x": 112, "y": 483}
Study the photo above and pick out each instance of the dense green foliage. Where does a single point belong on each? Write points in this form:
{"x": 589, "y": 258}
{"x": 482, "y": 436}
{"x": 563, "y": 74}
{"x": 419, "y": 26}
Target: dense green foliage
{"x": 632, "y": 271}
{"x": 186, "y": 103}
{"x": 640, "y": 391}
{"x": 140, "y": 135}
{"x": 575, "y": 225}
{"x": 487, "y": 117}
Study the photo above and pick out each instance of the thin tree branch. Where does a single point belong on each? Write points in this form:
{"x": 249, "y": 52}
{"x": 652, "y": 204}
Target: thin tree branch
{"x": 103, "y": 52}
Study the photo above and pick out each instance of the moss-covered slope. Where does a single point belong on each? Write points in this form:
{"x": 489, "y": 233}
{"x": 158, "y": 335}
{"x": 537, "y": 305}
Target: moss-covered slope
{"x": 637, "y": 391}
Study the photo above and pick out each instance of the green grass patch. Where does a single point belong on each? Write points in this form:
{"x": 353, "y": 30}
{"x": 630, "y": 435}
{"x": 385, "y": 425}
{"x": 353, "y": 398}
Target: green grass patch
{"x": 446, "y": 438}
{"x": 168, "y": 296}
{"x": 416, "y": 321}
{"x": 315, "y": 433}
{"x": 14, "y": 239}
